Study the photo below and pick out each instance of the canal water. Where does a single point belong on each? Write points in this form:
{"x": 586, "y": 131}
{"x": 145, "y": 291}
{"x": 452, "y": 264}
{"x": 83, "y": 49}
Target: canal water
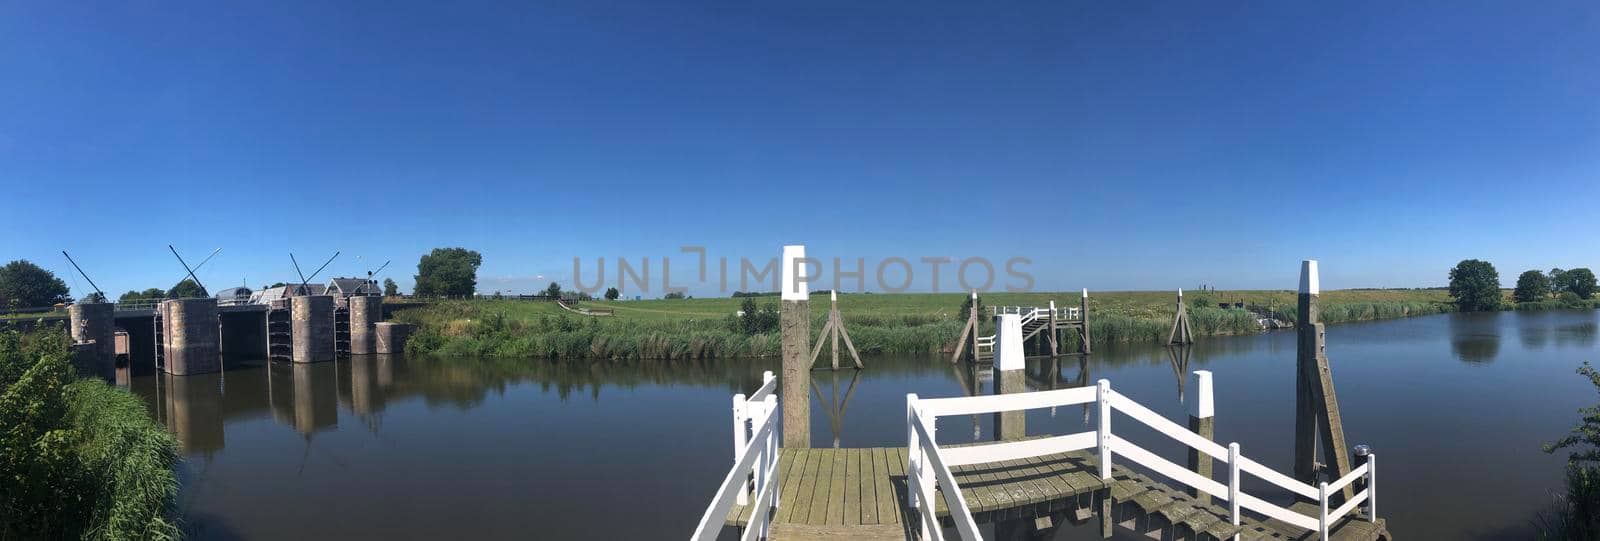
{"x": 1456, "y": 406}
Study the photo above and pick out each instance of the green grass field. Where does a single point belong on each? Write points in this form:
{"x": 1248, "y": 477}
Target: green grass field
{"x": 880, "y": 323}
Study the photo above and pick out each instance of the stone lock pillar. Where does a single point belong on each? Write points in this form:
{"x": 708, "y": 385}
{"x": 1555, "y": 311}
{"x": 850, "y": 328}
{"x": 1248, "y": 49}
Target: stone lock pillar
{"x": 365, "y": 312}
{"x": 390, "y": 338}
{"x": 94, "y": 328}
{"x": 794, "y": 323}
{"x": 191, "y": 336}
{"x": 311, "y": 324}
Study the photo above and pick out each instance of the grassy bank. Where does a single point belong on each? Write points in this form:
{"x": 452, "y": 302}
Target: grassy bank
{"x": 878, "y": 323}
{"x": 78, "y": 459}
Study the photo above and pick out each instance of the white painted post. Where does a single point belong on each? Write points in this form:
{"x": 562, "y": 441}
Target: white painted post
{"x": 926, "y": 482}
{"x": 1204, "y": 407}
{"x": 739, "y": 415}
{"x": 1372, "y": 487}
{"x": 773, "y": 444}
{"x": 1233, "y": 485}
{"x": 1008, "y": 354}
{"x": 760, "y": 473}
{"x": 1103, "y": 395}
{"x": 771, "y": 477}
{"x": 1322, "y": 520}
{"x": 912, "y": 447}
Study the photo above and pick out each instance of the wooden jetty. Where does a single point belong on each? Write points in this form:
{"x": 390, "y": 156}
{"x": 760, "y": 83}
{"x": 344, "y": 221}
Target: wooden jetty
{"x": 778, "y": 488}
{"x": 1020, "y": 486}
{"x": 1049, "y": 322}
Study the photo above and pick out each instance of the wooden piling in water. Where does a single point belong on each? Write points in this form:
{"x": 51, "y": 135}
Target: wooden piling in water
{"x": 794, "y": 323}
{"x": 1181, "y": 333}
{"x": 834, "y": 329}
{"x": 1316, "y": 404}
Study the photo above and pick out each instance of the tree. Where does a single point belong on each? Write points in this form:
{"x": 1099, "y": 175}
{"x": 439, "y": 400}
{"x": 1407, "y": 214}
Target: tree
{"x": 1555, "y": 280}
{"x": 554, "y": 291}
{"x": 1580, "y": 281}
{"x": 448, "y": 272}
{"x": 187, "y": 289}
{"x": 1532, "y": 286}
{"x": 673, "y": 295}
{"x": 1577, "y": 513}
{"x": 390, "y": 289}
{"x": 26, "y": 285}
{"x": 1475, "y": 285}
{"x": 612, "y": 293}
{"x": 93, "y": 298}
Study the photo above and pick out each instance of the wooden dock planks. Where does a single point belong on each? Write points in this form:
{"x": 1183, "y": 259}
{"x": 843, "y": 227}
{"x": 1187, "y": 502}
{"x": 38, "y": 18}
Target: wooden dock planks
{"x": 831, "y": 494}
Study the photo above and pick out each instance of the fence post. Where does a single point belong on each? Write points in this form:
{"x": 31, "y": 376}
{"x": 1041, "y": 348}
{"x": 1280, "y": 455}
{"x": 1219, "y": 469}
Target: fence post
{"x": 1322, "y": 500}
{"x": 926, "y": 482}
{"x": 911, "y": 448}
{"x": 739, "y": 416}
{"x": 773, "y": 444}
{"x": 1103, "y": 395}
{"x": 771, "y": 475}
{"x": 1372, "y": 487}
{"x": 1233, "y": 485}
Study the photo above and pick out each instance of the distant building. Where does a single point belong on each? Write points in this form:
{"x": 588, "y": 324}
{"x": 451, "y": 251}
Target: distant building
{"x": 351, "y": 287}
{"x": 234, "y": 296}
{"x": 266, "y": 296}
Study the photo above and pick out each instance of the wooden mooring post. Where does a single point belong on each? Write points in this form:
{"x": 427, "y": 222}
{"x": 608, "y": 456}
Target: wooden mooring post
{"x": 1202, "y": 421}
{"x": 794, "y": 325}
{"x": 833, "y": 329}
{"x": 1083, "y": 320}
{"x": 968, "y": 332}
{"x": 1181, "y": 333}
{"x": 1316, "y": 405}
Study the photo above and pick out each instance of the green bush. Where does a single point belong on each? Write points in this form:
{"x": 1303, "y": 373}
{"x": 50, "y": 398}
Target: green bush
{"x": 78, "y": 459}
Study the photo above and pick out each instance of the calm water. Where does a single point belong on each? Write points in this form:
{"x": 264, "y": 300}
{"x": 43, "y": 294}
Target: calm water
{"x": 386, "y": 447}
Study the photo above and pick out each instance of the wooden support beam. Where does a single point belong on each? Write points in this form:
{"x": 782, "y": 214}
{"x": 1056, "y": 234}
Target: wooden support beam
{"x": 1181, "y": 333}
{"x": 1316, "y": 404}
{"x": 832, "y": 330}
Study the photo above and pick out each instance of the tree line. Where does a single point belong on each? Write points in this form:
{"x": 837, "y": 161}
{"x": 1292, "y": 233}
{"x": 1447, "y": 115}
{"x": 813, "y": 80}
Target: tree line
{"x": 1475, "y": 284}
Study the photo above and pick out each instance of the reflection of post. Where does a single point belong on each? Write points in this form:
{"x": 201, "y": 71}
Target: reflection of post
{"x": 795, "y": 327}
{"x": 834, "y": 406}
{"x": 315, "y": 397}
{"x": 1009, "y": 375}
{"x": 1179, "y": 356}
{"x": 1202, "y": 420}
{"x": 194, "y": 412}
{"x": 363, "y": 380}
{"x": 1316, "y": 406}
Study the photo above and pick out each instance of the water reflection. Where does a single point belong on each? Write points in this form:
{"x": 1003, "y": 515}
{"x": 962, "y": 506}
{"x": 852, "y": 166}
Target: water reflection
{"x": 835, "y": 405}
{"x": 1475, "y": 337}
{"x": 1577, "y": 334}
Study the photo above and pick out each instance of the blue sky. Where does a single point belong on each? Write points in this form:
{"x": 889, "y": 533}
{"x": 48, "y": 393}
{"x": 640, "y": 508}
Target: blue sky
{"x": 1117, "y": 145}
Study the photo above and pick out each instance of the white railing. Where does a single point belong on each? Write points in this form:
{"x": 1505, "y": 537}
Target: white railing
{"x": 930, "y": 464}
{"x": 984, "y": 346}
{"x": 755, "y": 458}
{"x": 1030, "y": 313}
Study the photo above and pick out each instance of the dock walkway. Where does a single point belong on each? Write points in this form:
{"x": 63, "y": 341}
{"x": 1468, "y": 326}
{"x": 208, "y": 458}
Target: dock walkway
{"x": 860, "y": 493}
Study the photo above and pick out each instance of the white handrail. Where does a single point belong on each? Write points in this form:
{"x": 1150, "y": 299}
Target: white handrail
{"x": 929, "y": 464}
{"x": 755, "y": 459}
{"x": 930, "y": 467}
